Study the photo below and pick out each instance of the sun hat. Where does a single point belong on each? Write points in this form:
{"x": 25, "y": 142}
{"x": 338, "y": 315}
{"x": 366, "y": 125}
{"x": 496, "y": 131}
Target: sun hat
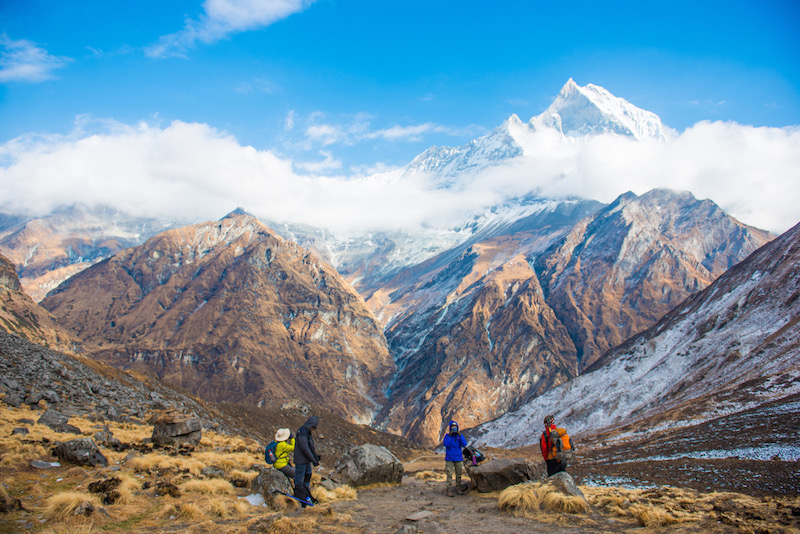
{"x": 282, "y": 434}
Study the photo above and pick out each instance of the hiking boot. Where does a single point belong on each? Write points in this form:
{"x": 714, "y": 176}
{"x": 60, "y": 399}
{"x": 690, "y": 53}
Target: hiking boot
{"x": 462, "y": 489}
{"x": 451, "y": 491}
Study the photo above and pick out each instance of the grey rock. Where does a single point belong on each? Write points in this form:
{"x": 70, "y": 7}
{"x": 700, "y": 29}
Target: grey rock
{"x": 33, "y": 398}
{"x": 10, "y": 384}
{"x": 498, "y": 474}
{"x": 38, "y": 464}
{"x": 13, "y": 400}
{"x": 212, "y": 471}
{"x": 368, "y": 464}
{"x": 176, "y": 430}
{"x": 105, "y": 437}
{"x": 565, "y": 484}
{"x": 58, "y": 422}
{"x": 51, "y": 396}
{"x": 19, "y": 431}
{"x": 268, "y": 482}
{"x": 81, "y": 451}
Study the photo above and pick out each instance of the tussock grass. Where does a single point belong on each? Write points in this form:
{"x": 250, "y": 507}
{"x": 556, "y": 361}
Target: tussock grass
{"x": 528, "y": 500}
{"x": 67, "y": 529}
{"x": 63, "y": 505}
{"x": 342, "y": 493}
{"x": 186, "y": 511}
{"x": 127, "y": 489}
{"x": 214, "y": 486}
{"x": 242, "y": 475}
{"x": 284, "y": 525}
{"x": 228, "y": 510}
{"x": 152, "y": 462}
{"x": 434, "y": 476}
{"x": 653, "y": 516}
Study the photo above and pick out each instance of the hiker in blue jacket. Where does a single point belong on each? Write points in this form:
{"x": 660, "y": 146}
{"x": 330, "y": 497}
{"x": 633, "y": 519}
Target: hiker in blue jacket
{"x": 453, "y": 443}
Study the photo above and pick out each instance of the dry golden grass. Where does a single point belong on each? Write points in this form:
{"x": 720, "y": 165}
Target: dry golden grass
{"x": 528, "y": 500}
{"x": 68, "y": 529}
{"x": 242, "y": 475}
{"x": 152, "y": 462}
{"x": 228, "y": 510}
{"x": 653, "y": 516}
{"x": 63, "y": 505}
{"x": 213, "y": 486}
{"x": 342, "y": 493}
{"x": 284, "y": 525}
{"x": 185, "y": 511}
{"x": 126, "y": 489}
{"x": 434, "y": 476}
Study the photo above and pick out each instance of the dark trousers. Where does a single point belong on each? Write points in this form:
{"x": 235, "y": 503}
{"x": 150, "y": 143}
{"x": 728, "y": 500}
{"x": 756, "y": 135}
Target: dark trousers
{"x": 302, "y": 479}
{"x": 555, "y": 466}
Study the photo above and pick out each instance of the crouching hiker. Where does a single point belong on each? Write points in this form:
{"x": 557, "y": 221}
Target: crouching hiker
{"x": 285, "y": 446}
{"x": 556, "y": 446}
{"x": 453, "y": 443}
{"x": 305, "y": 455}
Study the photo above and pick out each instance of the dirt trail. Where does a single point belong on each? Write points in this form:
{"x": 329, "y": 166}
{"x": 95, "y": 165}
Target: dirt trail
{"x": 385, "y": 509}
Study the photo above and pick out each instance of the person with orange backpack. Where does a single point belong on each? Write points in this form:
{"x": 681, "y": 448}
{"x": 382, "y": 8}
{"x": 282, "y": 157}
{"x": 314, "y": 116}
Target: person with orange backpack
{"x": 556, "y": 446}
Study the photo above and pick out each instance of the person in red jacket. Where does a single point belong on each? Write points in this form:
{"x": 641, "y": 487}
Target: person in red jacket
{"x": 548, "y": 445}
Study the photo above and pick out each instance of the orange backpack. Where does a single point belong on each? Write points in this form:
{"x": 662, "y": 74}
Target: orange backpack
{"x": 563, "y": 449}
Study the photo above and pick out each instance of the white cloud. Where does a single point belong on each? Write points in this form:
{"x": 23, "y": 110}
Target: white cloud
{"x": 25, "y": 61}
{"x": 194, "y": 171}
{"x": 358, "y": 128}
{"x": 222, "y": 18}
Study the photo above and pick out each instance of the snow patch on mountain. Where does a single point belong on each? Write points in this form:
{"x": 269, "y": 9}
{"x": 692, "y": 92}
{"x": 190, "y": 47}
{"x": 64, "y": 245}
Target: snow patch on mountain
{"x": 739, "y": 330}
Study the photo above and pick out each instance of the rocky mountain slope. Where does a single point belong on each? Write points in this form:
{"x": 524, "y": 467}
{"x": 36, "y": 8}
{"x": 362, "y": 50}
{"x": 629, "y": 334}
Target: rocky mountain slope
{"x": 231, "y": 311}
{"x": 48, "y": 250}
{"x": 715, "y": 370}
{"x": 515, "y": 315}
{"x": 620, "y": 270}
{"x": 21, "y": 316}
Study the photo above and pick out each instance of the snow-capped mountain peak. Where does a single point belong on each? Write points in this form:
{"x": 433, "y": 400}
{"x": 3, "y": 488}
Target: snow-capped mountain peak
{"x": 577, "y": 112}
{"x": 580, "y": 111}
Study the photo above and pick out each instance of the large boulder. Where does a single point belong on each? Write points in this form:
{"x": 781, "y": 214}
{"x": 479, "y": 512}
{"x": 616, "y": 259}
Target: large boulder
{"x": 81, "y": 451}
{"x": 58, "y": 422}
{"x": 269, "y": 481}
{"x": 171, "y": 429}
{"x": 498, "y": 474}
{"x": 368, "y": 464}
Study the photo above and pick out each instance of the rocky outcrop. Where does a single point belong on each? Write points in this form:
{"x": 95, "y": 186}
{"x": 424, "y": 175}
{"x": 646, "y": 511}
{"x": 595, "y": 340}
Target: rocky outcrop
{"x": 368, "y": 464}
{"x": 498, "y": 474}
{"x": 81, "y": 451}
{"x": 175, "y": 429}
{"x": 231, "y": 311}
{"x": 73, "y": 386}
{"x": 21, "y": 316}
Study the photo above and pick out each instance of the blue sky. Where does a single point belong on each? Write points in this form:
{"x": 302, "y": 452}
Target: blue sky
{"x": 350, "y": 87}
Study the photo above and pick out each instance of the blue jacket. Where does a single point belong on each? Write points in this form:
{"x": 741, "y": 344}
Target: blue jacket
{"x": 453, "y": 445}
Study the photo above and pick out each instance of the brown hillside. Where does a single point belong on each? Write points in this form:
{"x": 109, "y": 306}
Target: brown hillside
{"x": 231, "y": 311}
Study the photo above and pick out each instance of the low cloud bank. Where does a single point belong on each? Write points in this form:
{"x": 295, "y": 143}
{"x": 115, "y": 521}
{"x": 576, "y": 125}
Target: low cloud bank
{"x": 193, "y": 171}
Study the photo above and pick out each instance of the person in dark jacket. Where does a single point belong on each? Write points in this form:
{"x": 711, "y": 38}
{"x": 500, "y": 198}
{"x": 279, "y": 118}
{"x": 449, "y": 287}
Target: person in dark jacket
{"x": 453, "y": 443}
{"x": 305, "y": 455}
